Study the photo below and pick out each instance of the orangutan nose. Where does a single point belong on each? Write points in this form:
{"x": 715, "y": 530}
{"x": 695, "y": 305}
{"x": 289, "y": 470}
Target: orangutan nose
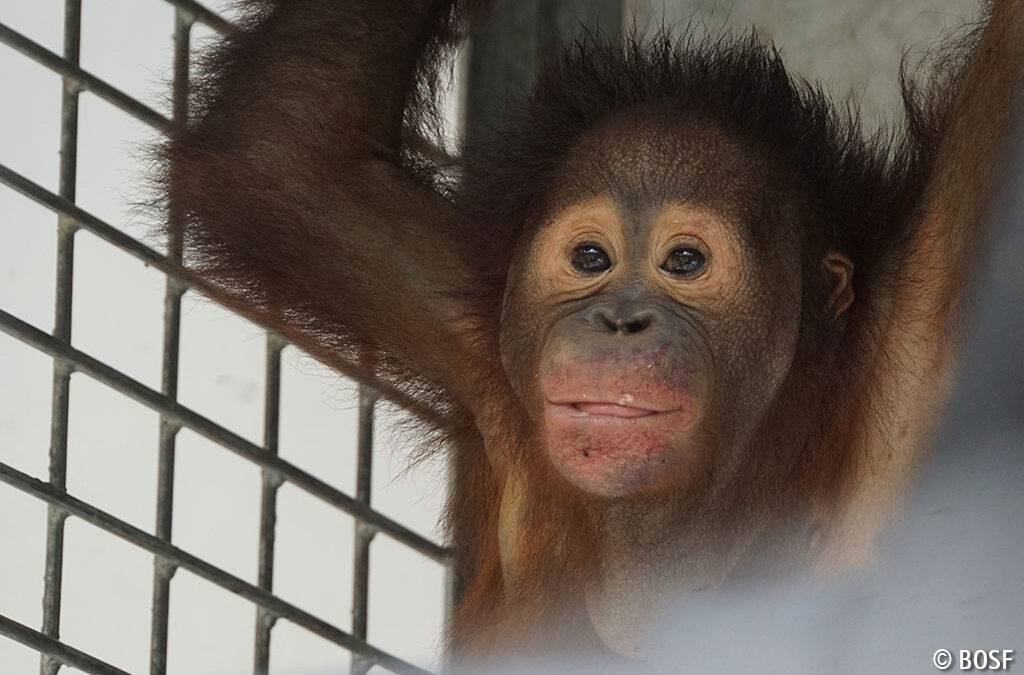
{"x": 628, "y": 320}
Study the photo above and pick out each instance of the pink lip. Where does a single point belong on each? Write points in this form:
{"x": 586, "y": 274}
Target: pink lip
{"x": 612, "y": 410}
{"x": 605, "y": 410}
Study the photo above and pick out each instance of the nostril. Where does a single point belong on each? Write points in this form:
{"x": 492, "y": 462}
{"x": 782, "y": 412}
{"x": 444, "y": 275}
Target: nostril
{"x": 635, "y": 325}
{"x": 611, "y": 320}
{"x": 608, "y": 321}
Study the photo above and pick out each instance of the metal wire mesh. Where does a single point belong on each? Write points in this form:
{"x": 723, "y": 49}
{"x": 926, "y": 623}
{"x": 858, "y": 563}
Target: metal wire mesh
{"x": 173, "y": 416}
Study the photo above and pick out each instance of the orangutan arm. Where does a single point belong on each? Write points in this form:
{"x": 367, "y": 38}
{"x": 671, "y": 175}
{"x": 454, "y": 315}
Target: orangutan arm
{"x": 296, "y": 200}
{"x": 909, "y": 360}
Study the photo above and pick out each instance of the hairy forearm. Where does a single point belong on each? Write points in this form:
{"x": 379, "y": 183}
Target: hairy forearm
{"x": 295, "y": 200}
{"x": 909, "y": 354}
{"x": 966, "y": 167}
{"x": 340, "y": 70}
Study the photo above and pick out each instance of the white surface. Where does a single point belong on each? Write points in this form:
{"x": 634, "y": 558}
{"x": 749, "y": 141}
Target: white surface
{"x": 852, "y": 47}
{"x": 113, "y": 441}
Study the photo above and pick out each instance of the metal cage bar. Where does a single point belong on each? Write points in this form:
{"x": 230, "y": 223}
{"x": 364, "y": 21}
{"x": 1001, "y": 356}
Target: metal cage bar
{"x": 268, "y": 503}
{"x": 168, "y": 434}
{"x": 80, "y": 79}
{"x": 363, "y": 533}
{"x": 194, "y": 12}
{"x": 173, "y": 416}
{"x": 57, "y": 650}
{"x": 212, "y": 431}
{"x": 61, "y": 394}
{"x": 174, "y": 555}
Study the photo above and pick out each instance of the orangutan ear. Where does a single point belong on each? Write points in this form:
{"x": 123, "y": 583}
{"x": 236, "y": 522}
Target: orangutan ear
{"x": 839, "y": 270}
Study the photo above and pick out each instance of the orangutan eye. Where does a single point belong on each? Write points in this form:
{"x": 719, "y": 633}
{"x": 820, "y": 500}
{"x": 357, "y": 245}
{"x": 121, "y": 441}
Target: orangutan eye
{"x": 590, "y": 258}
{"x": 684, "y": 262}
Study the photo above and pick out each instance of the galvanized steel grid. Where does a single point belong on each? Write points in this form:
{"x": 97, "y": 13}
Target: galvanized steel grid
{"x": 173, "y": 416}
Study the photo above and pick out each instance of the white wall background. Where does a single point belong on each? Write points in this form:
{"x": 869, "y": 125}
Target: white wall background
{"x": 117, "y": 318}
{"x": 850, "y": 45}
{"x": 113, "y": 441}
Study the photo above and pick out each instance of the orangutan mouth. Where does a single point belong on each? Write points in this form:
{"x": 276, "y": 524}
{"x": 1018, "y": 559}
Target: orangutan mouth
{"x": 612, "y": 410}
{"x": 625, "y": 407}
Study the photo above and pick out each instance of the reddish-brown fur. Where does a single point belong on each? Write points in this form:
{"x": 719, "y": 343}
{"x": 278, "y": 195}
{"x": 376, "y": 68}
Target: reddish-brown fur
{"x": 307, "y": 195}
